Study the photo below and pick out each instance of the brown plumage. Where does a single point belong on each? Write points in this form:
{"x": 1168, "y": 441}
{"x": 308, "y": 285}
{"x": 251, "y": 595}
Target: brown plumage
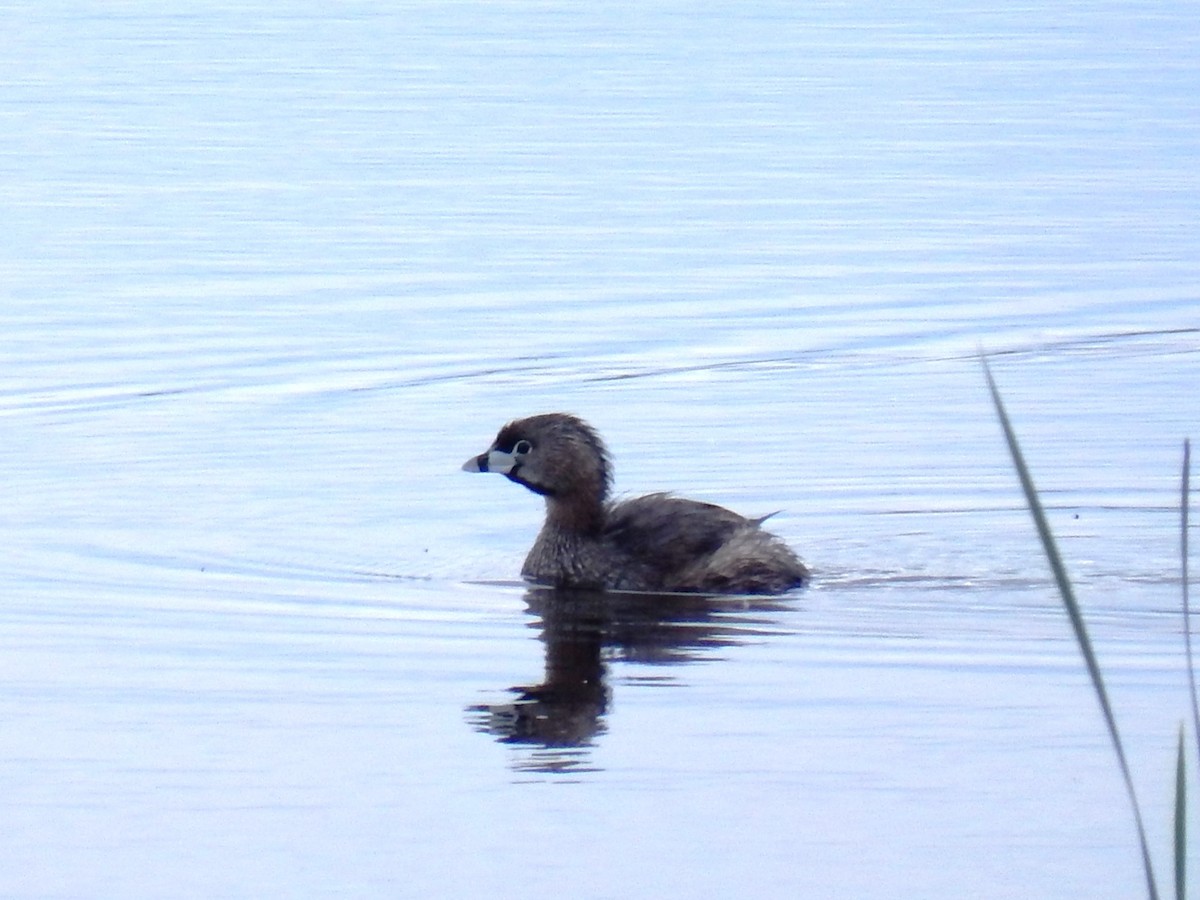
{"x": 652, "y": 543}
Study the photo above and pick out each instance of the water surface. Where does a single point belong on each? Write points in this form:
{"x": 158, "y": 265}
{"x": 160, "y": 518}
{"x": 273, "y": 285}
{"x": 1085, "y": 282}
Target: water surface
{"x": 271, "y": 273}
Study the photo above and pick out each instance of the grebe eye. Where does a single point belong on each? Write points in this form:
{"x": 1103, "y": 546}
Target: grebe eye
{"x": 521, "y": 448}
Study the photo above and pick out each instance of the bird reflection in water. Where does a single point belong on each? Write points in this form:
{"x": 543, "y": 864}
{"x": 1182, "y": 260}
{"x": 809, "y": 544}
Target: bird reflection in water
{"x": 558, "y": 721}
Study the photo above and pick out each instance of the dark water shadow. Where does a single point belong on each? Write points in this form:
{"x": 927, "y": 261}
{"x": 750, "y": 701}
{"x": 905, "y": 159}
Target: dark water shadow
{"x": 586, "y": 633}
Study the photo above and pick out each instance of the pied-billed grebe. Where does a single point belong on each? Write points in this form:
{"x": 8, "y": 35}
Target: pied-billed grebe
{"x": 652, "y": 543}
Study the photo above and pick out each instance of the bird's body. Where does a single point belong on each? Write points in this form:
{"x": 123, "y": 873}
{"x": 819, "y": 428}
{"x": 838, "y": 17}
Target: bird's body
{"x": 657, "y": 542}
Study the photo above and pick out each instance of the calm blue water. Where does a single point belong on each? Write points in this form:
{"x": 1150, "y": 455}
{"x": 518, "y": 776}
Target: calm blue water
{"x": 270, "y": 273}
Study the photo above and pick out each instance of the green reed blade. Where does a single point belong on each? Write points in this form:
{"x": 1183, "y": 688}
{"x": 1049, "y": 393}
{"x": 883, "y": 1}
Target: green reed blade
{"x": 1067, "y": 593}
{"x": 1180, "y": 821}
{"x": 1183, "y": 565}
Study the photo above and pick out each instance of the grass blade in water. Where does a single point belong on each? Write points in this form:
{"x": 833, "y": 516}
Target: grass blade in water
{"x": 1180, "y": 821}
{"x": 1067, "y": 592}
{"x": 1183, "y": 566}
